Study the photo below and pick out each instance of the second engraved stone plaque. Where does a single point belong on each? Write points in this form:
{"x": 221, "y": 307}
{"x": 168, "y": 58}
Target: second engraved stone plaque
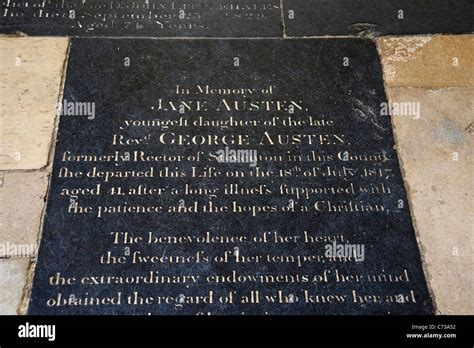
{"x": 151, "y": 18}
{"x": 227, "y": 177}
{"x": 377, "y": 17}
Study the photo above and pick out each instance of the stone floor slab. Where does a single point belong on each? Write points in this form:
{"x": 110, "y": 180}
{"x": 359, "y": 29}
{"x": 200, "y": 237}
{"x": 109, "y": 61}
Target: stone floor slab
{"x": 149, "y": 18}
{"x": 13, "y": 274}
{"x": 312, "y": 126}
{"x": 428, "y": 61}
{"x": 30, "y": 83}
{"x": 436, "y": 154}
{"x": 376, "y": 17}
{"x": 21, "y": 205}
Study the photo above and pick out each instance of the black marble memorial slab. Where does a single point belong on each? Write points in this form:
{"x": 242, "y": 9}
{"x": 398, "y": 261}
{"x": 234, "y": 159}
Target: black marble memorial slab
{"x": 149, "y": 18}
{"x": 226, "y": 177}
{"x": 377, "y": 17}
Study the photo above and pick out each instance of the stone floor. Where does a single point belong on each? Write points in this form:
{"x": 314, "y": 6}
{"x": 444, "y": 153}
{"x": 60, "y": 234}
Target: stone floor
{"x": 434, "y": 146}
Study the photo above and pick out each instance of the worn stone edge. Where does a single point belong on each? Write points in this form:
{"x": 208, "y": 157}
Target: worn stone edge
{"x": 23, "y": 307}
{"x": 422, "y": 248}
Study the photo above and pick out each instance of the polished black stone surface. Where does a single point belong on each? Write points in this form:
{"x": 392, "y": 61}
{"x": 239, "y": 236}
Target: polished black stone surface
{"x": 311, "y": 110}
{"x": 152, "y": 18}
{"x": 377, "y": 17}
